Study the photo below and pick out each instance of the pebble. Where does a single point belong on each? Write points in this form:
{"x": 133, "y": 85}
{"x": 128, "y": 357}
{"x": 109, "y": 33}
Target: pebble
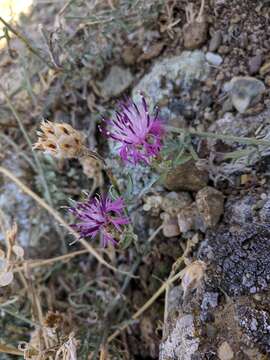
{"x": 225, "y": 351}
{"x": 170, "y": 226}
{"x": 254, "y": 64}
{"x": 214, "y": 59}
{"x": 245, "y": 91}
{"x": 195, "y": 34}
{"x": 215, "y": 41}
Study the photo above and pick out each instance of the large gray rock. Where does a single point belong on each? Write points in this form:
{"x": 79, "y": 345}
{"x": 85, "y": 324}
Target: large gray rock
{"x": 181, "y": 70}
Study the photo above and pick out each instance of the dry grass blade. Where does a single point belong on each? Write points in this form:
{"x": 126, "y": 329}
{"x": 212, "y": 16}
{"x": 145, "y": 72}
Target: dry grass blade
{"x": 60, "y": 220}
{"x": 38, "y": 263}
{"x": 10, "y": 350}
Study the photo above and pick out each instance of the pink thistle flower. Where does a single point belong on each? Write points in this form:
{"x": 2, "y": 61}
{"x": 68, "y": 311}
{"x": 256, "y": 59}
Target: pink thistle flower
{"x": 100, "y": 215}
{"x": 139, "y": 133}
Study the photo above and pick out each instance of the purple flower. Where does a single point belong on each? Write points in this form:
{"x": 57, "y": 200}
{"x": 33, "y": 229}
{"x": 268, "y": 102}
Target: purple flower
{"x": 139, "y": 133}
{"x": 100, "y": 215}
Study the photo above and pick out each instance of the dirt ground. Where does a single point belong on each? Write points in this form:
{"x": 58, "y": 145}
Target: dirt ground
{"x": 191, "y": 278}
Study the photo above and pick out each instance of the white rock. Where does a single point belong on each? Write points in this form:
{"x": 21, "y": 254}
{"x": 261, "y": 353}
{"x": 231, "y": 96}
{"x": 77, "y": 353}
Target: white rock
{"x": 214, "y": 59}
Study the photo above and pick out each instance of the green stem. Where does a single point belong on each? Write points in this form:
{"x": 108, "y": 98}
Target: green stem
{"x": 231, "y": 138}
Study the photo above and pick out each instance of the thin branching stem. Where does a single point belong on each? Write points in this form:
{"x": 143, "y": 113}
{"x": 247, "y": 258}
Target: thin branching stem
{"x": 230, "y": 138}
{"x": 26, "y": 42}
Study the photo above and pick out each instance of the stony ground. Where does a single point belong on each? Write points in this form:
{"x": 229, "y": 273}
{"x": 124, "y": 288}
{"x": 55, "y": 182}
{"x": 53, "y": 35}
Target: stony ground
{"x": 207, "y": 68}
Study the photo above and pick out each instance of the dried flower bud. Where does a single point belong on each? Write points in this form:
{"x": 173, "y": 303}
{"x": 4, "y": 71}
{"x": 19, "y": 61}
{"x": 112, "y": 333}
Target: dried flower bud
{"x": 193, "y": 275}
{"x": 59, "y": 140}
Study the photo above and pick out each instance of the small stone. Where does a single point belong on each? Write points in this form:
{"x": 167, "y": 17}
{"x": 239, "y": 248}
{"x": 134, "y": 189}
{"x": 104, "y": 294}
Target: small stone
{"x": 225, "y": 351}
{"x": 214, "y": 59}
{"x": 195, "y": 34}
{"x": 189, "y": 219}
{"x": 116, "y": 82}
{"x": 186, "y": 177}
{"x": 245, "y": 92}
{"x": 254, "y": 64}
{"x": 215, "y": 41}
{"x": 210, "y": 204}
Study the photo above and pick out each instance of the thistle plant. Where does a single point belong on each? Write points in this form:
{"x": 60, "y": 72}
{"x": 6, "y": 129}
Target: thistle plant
{"x": 138, "y": 133}
{"x": 100, "y": 215}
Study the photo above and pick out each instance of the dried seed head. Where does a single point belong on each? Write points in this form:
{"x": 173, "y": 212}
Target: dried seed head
{"x": 59, "y": 140}
{"x": 193, "y": 275}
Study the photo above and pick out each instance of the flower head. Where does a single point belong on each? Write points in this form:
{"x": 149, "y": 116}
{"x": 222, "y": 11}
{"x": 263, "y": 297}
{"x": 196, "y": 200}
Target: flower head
{"x": 100, "y": 215}
{"x": 139, "y": 133}
{"x": 59, "y": 140}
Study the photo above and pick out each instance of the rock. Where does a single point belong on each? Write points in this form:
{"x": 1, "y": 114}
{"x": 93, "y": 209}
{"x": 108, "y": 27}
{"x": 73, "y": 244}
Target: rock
{"x": 186, "y": 177}
{"x": 183, "y": 71}
{"x": 182, "y": 342}
{"x": 210, "y": 204}
{"x": 215, "y": 41}
{"x": 189, "y": 219}
{"x": 214, "y": 59}
{"x": 170, "y": 226}
{"x": 254, "y": 64}
{"x": 116, "y": 82}
{"x": 225, "y": 351}
{"x": 195, "y": 34}
{"x": 245, "y": 92}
